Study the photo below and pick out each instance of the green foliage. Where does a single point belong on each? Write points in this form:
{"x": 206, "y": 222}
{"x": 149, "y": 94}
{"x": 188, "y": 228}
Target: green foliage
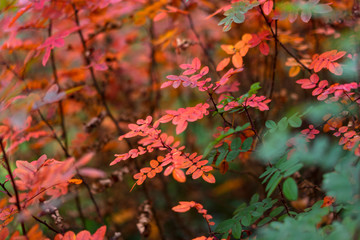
{"x": 290, "y": 189}
{"x": 237, "y": 13}
{"x": 246, "y": 215}
{"x": 222, "y": 136}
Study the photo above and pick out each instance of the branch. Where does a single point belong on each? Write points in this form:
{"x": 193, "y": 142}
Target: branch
{"x": 44, "y": 223}
{"x": 281, "y": 44}
{"x": 13, "y": 183}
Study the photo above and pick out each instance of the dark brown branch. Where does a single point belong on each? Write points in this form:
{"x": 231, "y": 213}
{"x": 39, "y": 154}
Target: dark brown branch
{"x": 5, "y": 189}
{"x": 281, "y": 44}
{"x": 13, "y": 183}
{"x": 44, "y": 223}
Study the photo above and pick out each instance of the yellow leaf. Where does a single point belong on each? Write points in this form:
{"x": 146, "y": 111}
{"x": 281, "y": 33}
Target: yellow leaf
{"x": 75, "y": 181}
{"x": 164, "y": 38}
{"x": 75, "y": 89}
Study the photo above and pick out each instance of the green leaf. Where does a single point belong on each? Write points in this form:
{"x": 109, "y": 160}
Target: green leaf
{"x": 221, "y": 157}
{"x": 224, "y": 150}
{"x": 236, "y": 230}
{"x": 290, "y": 189}
{"x": 273, "y": 182}
{"x": 264, "y": 221}
{"x": 270, "y": 124}
{"x": 232, "y": 155}
{"x": 322, "y": 8}
{"x": 225, "y": 226}
{"x": 246, "y": 220}
{"x": 295, "y": 121}
{"x": 283, "y": 123}
{"x": 276, "y": 211}
{"x": 247, "y": 144}
{"x": 236, "y": 143}
{"x": 290, "y": 171}
{"x": 254, "y": 198}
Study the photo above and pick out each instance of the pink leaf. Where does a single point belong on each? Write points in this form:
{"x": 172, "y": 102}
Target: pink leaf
{"x": 166, "y": 84}
{"x": 100, "y": 66}
{"x": 92, "y": 173}
{"x": 267, "y": 7}
{"x": 46, "y": 56}
{"x": 181, "y": 126}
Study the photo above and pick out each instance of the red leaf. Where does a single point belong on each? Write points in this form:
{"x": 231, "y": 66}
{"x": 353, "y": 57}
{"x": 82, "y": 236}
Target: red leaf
{"x": 264, "y": 48}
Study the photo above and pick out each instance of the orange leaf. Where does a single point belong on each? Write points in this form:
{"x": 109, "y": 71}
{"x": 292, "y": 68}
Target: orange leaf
{"x": 198, "y": 173}
{"x": 181, "y": 208}
{"x": 223, "y": 64}
{"x": 4, "y": 233}
{"x": 209, "y": 178}
{"x": 294, "y": 71}
{"x": 75, "y": 181}
{"x": 179, "y": 175}
{"x": 328, "y": 201}
{"x": 229, "y": 49}
{"x": 19, "y": 14}
{"x": 237, "y": 60}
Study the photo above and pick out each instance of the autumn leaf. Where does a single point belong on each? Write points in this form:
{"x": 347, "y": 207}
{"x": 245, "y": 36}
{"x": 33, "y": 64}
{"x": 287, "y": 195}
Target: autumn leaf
{"x": 328, "y": 201}
{"x": 267, "y": 7}
{"x": 237, "y": 60}
{"x": 223, "y": 64}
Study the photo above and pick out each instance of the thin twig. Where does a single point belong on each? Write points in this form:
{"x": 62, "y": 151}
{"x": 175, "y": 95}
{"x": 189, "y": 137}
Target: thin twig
{"x": 44, "y": 223}
{"x": 56, "y": 79}
{"x": 92, "y": 72}
{"x": 13, "y": 183}
{"x": 281, "y": 44}
{"x": 5, "y": 189}
{"x": 54, "y": 134}
{"x": 78, "y": 206}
